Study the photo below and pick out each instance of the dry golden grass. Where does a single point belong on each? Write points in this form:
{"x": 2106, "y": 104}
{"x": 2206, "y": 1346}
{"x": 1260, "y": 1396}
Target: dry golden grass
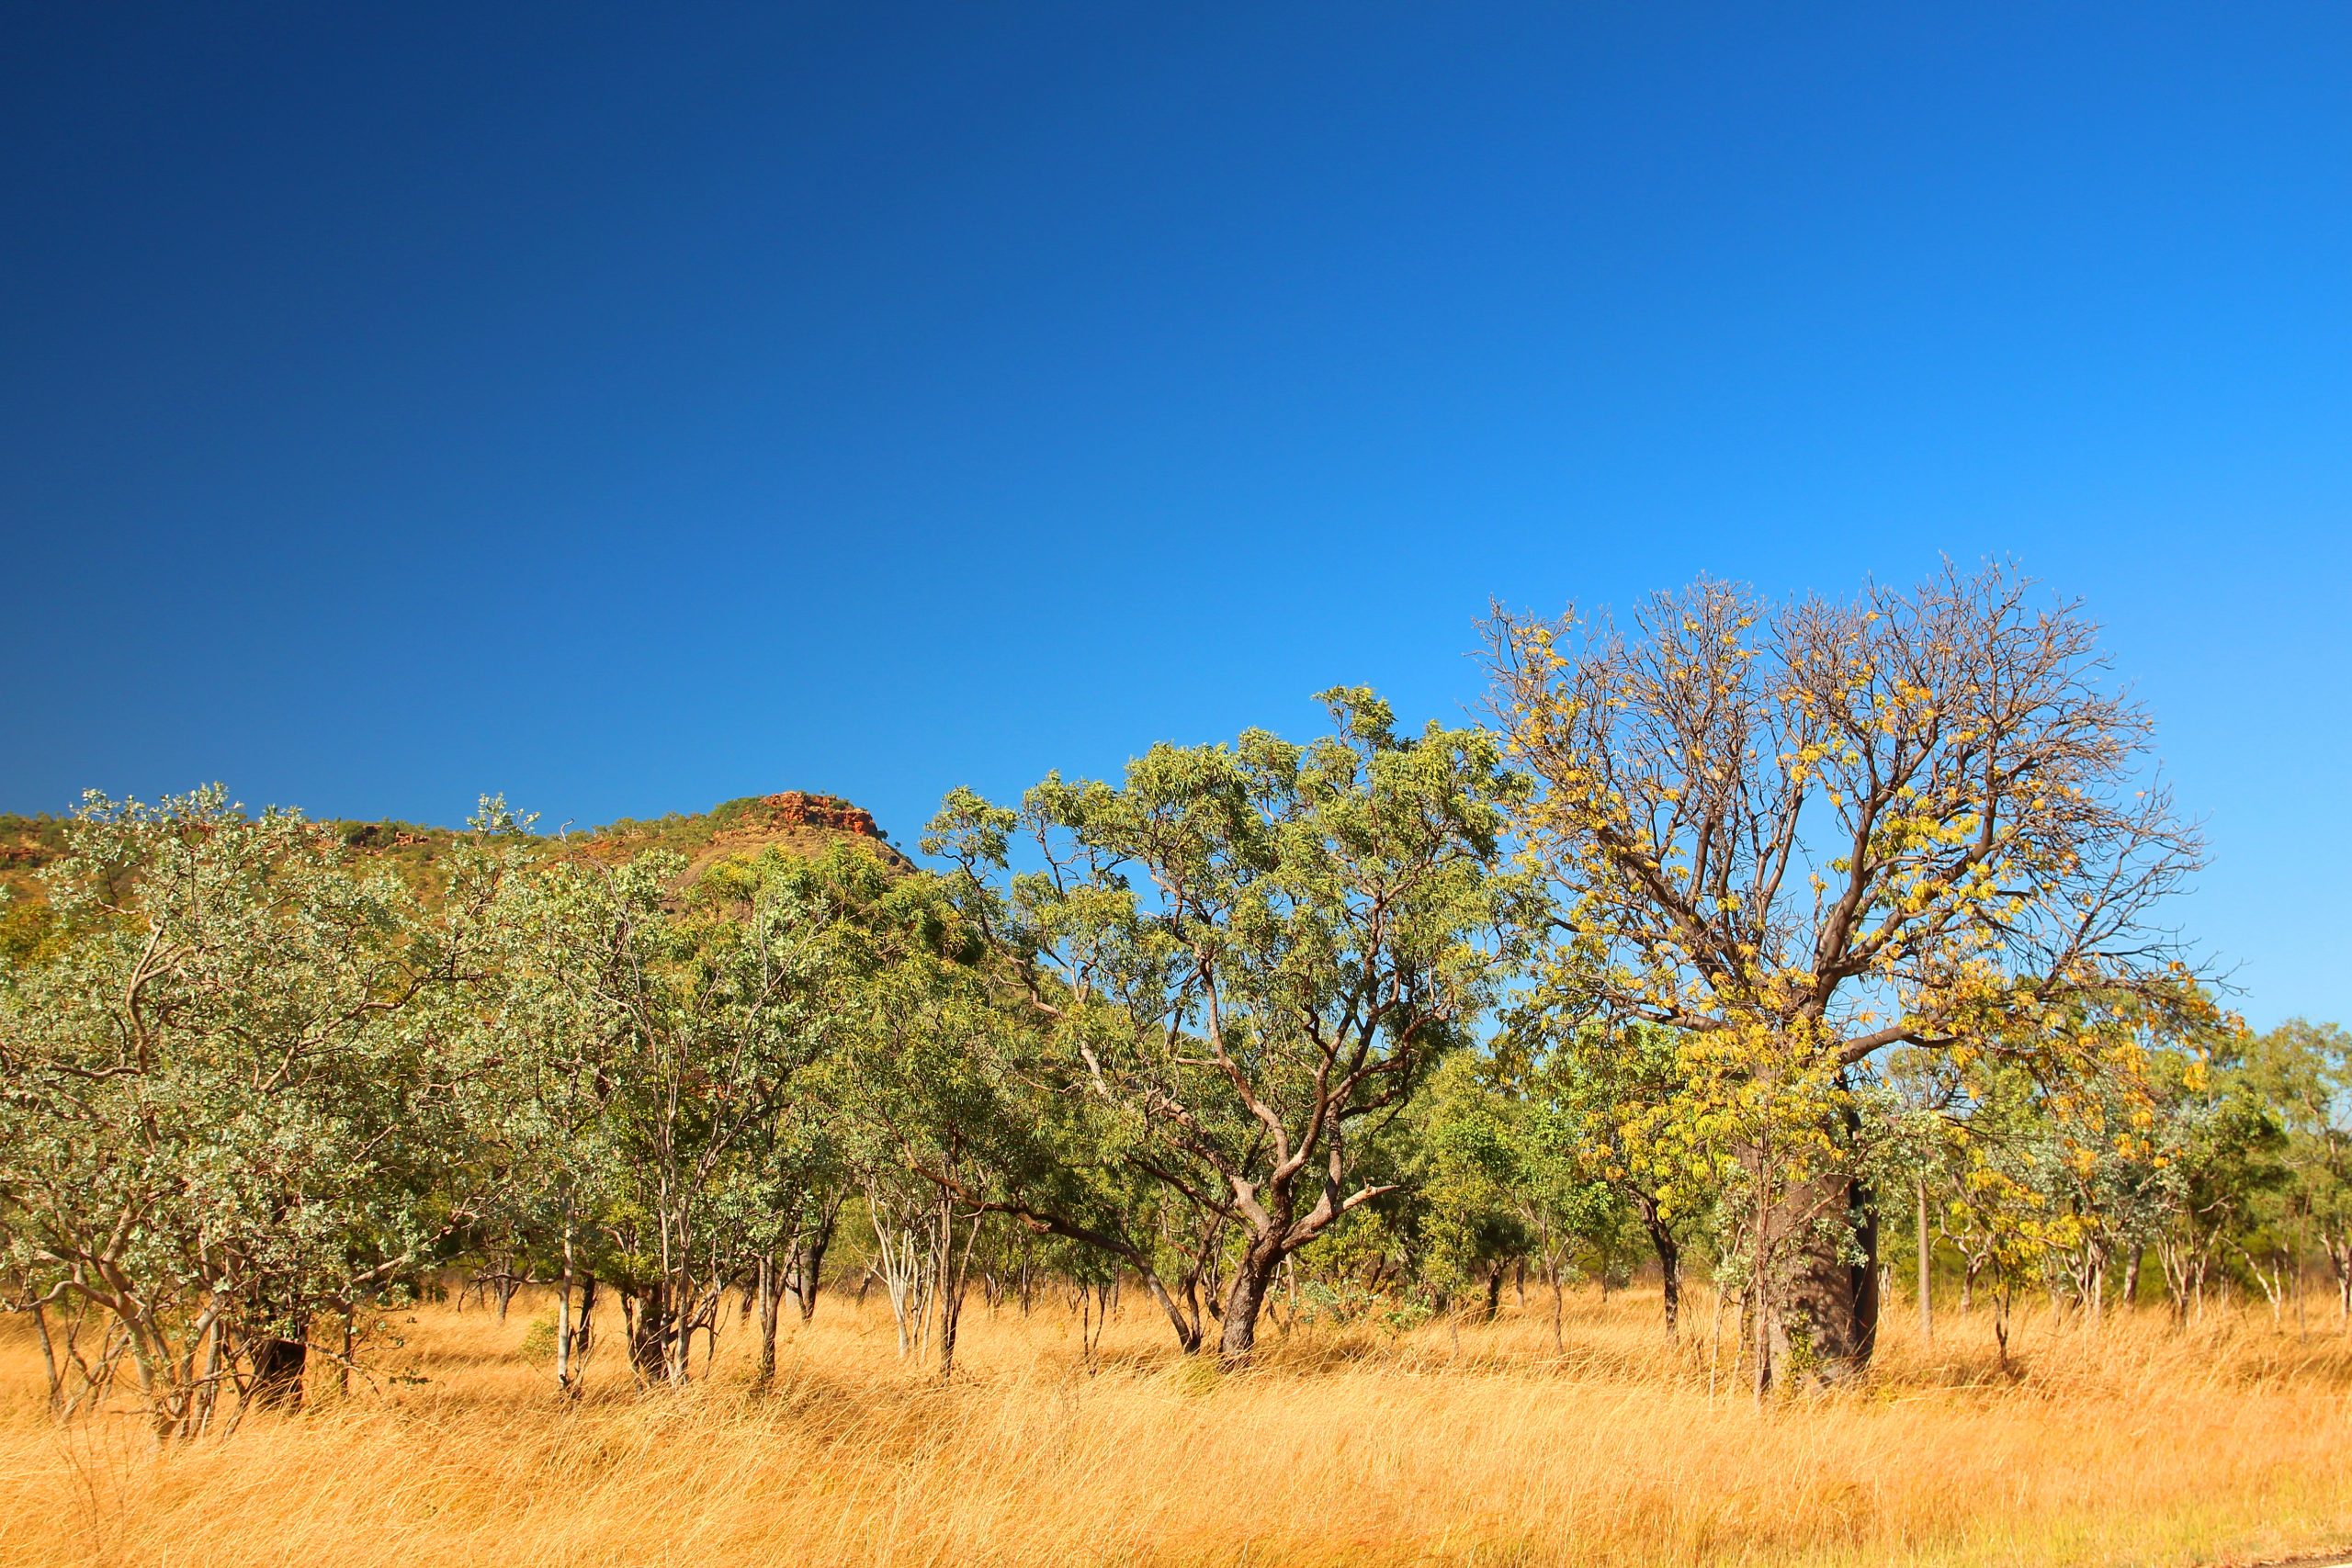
{"x": 2227, "y": 1443}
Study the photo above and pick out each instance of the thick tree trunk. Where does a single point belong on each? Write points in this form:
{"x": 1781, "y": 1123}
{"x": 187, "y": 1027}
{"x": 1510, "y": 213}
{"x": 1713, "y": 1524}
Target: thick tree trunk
{"x": 1820, "y": 1317}
{"x": 651, "y": 1330}
{"x": 1494, "y": 1290}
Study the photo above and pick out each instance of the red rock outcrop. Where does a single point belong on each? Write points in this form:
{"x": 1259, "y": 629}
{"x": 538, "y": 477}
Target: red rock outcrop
{"x": 796, "y": 809}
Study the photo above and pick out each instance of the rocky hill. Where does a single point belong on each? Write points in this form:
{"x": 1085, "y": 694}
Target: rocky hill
{"x": 796, "y": 821}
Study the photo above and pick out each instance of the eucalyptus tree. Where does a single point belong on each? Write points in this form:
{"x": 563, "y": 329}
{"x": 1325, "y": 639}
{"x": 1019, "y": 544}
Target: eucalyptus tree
{"x": 1469, "y": 1184}
{"x": 933, "y": 1113}
{"x": 2069, "y": 1180}
{"x": 955, "y": 1103}
{"x": 540, "y": 1115}
{"x": 2303, "y": 1072}
{"x": 1803, "y": 834}
{"x": 782, "y": 1192}
{"x": 1240, "y": 954}
{"x": 938, "y": 1136}
{"x": 644, "y": 1059}
{"x": 2224, "y": 1152}
{"x": 226, "y": 1094}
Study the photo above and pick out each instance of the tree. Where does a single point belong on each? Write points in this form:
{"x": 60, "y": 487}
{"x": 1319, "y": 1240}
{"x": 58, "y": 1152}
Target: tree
{"x": 1599, "y": 1093}
{"x": 226, "y": 1097}
{"x": 931, "y": 1114}
{"x": 646, "y": 1049}
{"x": 2303, "y": 1072}
{"x": 2000, "y": 1213}
{"x": 1471, "y": 1183}
{"x": 1240, "y": 954}
{"x": 2221, "y": 1153}
{"x": 1803, "y": 834}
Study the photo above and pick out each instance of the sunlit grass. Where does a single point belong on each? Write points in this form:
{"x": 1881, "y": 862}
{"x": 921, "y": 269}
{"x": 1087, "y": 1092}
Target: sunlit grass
{"x": 2226, "y": 1442}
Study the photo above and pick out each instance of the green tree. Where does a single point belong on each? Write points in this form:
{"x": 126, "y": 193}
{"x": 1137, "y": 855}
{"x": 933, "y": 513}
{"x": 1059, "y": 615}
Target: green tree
{"x": 226, "y": 1098}
{"x": 1240, "y": 953}
{"x": 2303, "y": 1072}
{"x": 646, "y": 1055}
{"x": 1470, "y": 1182}
{"x": 1606, "y": 1099}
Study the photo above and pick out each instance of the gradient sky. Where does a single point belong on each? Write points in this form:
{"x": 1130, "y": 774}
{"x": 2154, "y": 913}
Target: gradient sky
{"x": 629, "y": 410}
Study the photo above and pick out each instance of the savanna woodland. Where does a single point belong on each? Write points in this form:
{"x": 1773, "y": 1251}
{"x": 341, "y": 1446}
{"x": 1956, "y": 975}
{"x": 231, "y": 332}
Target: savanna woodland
{"x": 1747, "y": 1093}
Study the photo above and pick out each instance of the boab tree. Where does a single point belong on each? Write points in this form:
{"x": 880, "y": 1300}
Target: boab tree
{"x": 1805, "y": 834}
{"x": 1241, "y": 953}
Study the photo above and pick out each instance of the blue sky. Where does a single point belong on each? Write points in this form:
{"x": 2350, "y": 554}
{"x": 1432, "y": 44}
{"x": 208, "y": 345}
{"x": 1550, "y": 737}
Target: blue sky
{"x": 628, "y": 409}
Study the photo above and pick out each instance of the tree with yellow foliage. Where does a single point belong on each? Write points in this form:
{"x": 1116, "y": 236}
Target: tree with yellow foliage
{"x": 1803, "y": 834}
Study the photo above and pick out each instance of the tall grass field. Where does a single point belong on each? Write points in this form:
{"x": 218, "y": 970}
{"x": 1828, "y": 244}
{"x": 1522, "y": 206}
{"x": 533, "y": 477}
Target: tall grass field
{"x": 2132, "y": 1441}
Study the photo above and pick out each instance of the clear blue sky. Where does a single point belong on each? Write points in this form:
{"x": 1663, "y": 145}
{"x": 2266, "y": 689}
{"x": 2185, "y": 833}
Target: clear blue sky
{"x": 628, "y": 411}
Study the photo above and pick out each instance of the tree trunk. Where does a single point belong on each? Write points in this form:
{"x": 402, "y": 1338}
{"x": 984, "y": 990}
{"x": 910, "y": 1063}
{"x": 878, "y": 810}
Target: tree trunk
{"x": 771, "y": 1291}
{"x": 1251, "y": 1278}
{"x": 1669, "y": 1263}
{"x": 563, "y": 1334}
{"x": 651, "y": 1330}
{"x": 809, "y": 1261}
{"x": 277, "y": 1371}
{"x": 583, "y": 1328}
{"x": 956, "y": 1272}
{"x": 1926, "y": 1261}
{"x": 48, "y": 1360}
{"x": 1187, "y": 1324}
{"x": 1820, "y": 1315}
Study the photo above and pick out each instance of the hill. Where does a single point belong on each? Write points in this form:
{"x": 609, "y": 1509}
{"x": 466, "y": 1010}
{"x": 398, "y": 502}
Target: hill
{"x": 795, "y": 820}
